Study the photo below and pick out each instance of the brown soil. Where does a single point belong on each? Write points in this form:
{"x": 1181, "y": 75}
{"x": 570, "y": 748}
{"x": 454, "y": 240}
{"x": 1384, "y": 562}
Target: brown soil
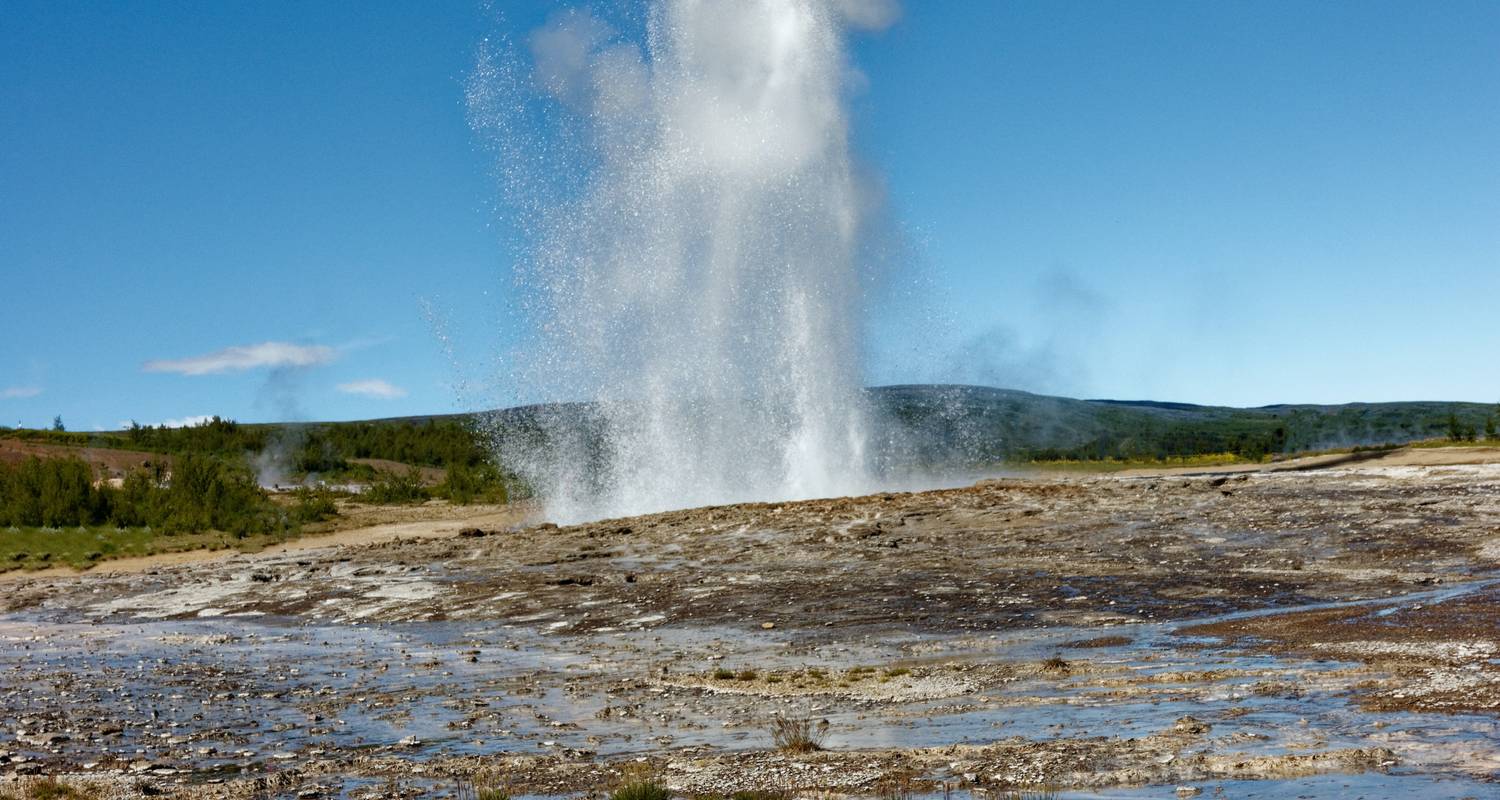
{"x": 116, "y": 462}
{"x": 431, "y": 476}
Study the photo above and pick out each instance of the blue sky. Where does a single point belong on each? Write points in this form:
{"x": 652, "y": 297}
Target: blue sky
{"x": 1238, "y": 203}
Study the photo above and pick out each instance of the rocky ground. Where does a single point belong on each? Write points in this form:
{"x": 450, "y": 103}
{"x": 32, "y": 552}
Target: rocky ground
{"x": 1292, "y": 632}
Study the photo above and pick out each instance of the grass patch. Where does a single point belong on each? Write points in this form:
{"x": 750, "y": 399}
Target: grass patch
{"x": 1119, "y": 464}
{"x": 640, "y": 782}
{"x": 723, "y": 674}
{"x": 81, "y": 548}
{"x": 482, "y": 785}
{"x": 1476, "y": 442}
{"x": 798, "y": 734}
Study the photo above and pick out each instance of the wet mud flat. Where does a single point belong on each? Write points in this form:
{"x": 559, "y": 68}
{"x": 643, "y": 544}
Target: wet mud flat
{"x": 1327, "y": 633}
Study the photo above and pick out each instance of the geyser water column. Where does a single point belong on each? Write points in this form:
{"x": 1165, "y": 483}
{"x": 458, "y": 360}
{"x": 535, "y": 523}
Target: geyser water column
{"x": 691, "y": 217}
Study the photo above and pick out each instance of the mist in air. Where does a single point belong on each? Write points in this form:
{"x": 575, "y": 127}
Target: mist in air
{"x": 690, "y": 217}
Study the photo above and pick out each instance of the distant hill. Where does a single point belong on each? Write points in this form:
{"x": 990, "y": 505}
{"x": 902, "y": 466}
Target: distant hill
{"x": 913, "y": 425}
{"x": 954, "y": 425}
{"x": 976, "y": 424}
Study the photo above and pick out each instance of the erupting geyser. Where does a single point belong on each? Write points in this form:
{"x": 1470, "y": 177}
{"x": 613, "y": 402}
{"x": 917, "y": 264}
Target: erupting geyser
{"x": 690, "y": 217}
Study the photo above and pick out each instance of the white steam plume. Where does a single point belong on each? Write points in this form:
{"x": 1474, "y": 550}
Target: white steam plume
{"x": 691, "y": 216}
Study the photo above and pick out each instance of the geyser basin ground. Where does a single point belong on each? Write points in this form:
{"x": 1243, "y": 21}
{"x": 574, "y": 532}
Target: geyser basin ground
{"x": 1110, "y": 636}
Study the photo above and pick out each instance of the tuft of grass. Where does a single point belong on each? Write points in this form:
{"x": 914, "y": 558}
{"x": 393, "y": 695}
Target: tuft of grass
{"x": 639, "y": 782}
{"x": 1117, "y": 464}
{"x": 482, "y": 786}
{"x": 897, "y": 672}
{"x": 746, "y": 675}
{"x": 723, "y": 674}
{"x": 798, "y": 734}
{"x": 1057, "y": 664}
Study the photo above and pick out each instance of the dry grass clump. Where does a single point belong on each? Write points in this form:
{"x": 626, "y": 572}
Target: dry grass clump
{"x": 482, "y": 786}
{"x": 640, "y": 782}
{"x": 798, "y": 734}
{"x": 1057, "y": 665}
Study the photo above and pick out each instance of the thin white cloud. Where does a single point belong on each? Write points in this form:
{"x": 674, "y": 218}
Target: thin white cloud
{"x": 373, "y": 388}
{"x": 239, "y": 359}
{"x": 184, "y": 422}
{"x": 19, "y": 392}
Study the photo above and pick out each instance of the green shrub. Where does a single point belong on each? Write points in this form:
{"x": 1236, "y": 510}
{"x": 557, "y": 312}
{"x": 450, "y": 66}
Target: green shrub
{"x": 392, "y": 488}
{"x": 482, "y": 483}
{"x": 641, "y": 789}
{"x": 313, "y": 505}
{"x": 199, "y": 494}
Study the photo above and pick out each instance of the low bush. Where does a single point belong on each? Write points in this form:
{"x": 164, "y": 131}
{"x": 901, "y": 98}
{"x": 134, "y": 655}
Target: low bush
{"x": 482, "y": 483}
{"x": 313, "y": 505}
{"x": 199, "y": 493}
{"x": 394, "y": 488}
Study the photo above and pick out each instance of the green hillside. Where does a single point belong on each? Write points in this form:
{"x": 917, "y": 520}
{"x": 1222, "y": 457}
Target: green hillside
{"x": 972, "y": 424}
{"x": 926, "y": 425}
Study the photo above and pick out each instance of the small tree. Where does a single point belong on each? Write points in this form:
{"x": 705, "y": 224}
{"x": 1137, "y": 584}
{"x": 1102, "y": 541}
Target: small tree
{"x": 1455, "y": 430}
{"x": 57, "y": 423}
